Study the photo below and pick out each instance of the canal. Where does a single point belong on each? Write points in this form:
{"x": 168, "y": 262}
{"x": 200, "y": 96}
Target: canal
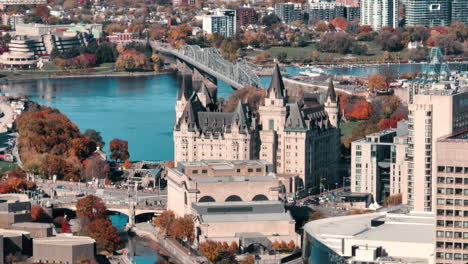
{"x": 144, "y": 251}
{"x": 140, "y": 110}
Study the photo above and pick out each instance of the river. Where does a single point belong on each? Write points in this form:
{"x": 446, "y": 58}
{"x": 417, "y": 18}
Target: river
{"x": 137, "y": 109}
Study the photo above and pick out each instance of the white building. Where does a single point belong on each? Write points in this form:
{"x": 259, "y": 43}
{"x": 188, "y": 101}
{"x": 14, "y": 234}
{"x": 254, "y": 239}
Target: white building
{"x": 379, "y": 13}
{"x": 223, "y": 22}
{"x": 382, "y": 238}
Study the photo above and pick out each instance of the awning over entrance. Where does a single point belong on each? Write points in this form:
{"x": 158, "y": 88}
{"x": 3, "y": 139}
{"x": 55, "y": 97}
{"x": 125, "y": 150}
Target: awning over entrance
{"x": 250, "y": 238}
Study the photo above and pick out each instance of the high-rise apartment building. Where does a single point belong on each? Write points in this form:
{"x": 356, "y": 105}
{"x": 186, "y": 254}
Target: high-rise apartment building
{"x": 451, "y": 236}
{"x": 378, "y": 163}
{"x": 288, "y": 12}
{"x": 379, "y": 13}
{"x": 438, "y": 106}
{"x": 460, "y": 11}
{"x": 325, "y": 11}
{"x": 223, "y": 22}
{"x": 428, "y": 13}
{"x": 246, "y": 16}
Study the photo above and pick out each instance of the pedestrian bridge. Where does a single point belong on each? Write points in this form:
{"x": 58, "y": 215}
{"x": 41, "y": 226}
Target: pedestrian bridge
{"x": 208, "y": 60}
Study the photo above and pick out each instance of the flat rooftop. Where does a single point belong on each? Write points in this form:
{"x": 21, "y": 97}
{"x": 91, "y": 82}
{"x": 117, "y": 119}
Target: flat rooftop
{"x": 216, "y": 212}
{"x": 63, "y": 240}
{"x": 460, "y": 136}
{"x": 222, "y": 163}
{"x": 209, "y": 179}
{"x": 416, "y": 228}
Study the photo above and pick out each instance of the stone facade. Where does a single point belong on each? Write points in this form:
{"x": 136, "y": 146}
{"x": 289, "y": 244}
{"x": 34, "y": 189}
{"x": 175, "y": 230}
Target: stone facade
{"x": 301, "y": 139}
{"x": 219, "y": 181}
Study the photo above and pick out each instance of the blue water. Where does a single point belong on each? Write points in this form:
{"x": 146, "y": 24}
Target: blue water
{"x": 140, "y": 110}
{"x": 144, "y": 254}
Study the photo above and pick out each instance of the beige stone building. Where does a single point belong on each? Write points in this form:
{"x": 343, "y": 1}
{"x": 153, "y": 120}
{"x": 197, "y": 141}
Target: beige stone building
{"x": 300, "y": 139}
{"x": 231, "y": 201}
{"x": 219, "y": 181}
{"x": 378, "y": 163}
{"x": 438, "y": 106}
{"x": 451, "y": 196}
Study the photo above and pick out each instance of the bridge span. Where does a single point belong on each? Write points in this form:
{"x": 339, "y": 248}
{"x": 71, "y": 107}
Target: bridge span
{"x": 209, "y": 61}
{"x": 139, "y": 210}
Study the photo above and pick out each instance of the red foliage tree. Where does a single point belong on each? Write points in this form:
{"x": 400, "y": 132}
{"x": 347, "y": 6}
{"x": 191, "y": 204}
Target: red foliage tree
{"x": 65, "y": 228}
{"x": 361, "y": 110}
{"x": 119, "y": 149}
{"x": 91, "y": 207}
{"x": 95, "y": 168}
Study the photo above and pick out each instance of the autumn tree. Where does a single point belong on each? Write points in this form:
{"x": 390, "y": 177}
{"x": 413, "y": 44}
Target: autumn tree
{"x": 95, "y": 168}
{"x": 211, "y": 250}
{"x": 361, "y": 110}
{"x": 91, "y": 207}
{"x": 340, "y": 22}
{"x": 291, "y": 245}
{"x": 38, "y": 214}
{"x": 376, "y": 81}
{"x": 316, "y": 215}
{"x": 233, "y": 246}
{"x": 263, "y": 57}
{"x": 276, "y": 245}
{"x": 164, "y": 221}
{"x": 336, "y": 42}
{"x": 105, "y": 234}
{"x": 183, "y": 228}
{"x": 393, "y": 200}
{"x": 119, "y": 149}
{"x": 132, "y": 60}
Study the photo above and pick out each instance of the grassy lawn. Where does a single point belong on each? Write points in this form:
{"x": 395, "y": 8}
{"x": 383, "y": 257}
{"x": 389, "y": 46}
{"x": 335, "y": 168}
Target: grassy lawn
{"x": 6, "y": 166}
{"x": 347, "y": 128}
{"x": 301, "y": 53}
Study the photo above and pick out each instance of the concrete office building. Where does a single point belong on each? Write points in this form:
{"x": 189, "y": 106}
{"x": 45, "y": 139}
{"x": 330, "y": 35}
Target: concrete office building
{"x": 64, "y": 249}
{"x": 37, "y": 30}
{"x": 384, "y": 238}
{"x": 429, "y": 13}
{"x": 378, "y": 163}
{"x": 438, "y": 106}
{"x": 288, "y": 12}
{"x": 223, "y": 22}
{"x": 220, "y": 181}
{"x": 379, "y": 13}
{"x": 452, "y": 199}
{"x": 36, "y": 230}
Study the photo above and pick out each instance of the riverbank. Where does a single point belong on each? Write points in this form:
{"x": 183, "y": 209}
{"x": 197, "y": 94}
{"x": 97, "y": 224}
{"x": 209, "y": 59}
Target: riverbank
{"x": 175, "y": 253}
{"x": 26, "y": 77}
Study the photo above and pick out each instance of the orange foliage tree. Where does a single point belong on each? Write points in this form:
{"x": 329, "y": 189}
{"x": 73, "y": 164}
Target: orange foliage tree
{"x": 127, "y": 164}
{"x": 211, "y": 250}
{"x": 105, "y": 234}
{"x": 38, "y": 214}
{"x": 392, "y": 200}
{"x": 91, "y": 207}
{"x": 119, "y": 149}
{"x": 377, "y": 81}
{"x": 164, "y": 221}
{"x": 184, "y": 228}
{"x": 340, "y": 22}
{"x": 132, "y": 60}
{"x": 361, "y": 110}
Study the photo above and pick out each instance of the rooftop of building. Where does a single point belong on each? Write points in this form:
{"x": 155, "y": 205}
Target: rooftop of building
{"x": 208, "y": 179}
{"x": 64, "y": 240}
{"x": 400, "y": 131}
{"x": 215, "y": 212}
{"x": 31, "y": 225}
{"x": 12, "y": 233}
{"x": 405, "y": 228}
{"x": 222, "y": 164}
{"x": 13, "y": 198}
{"x": 460, "y": 136}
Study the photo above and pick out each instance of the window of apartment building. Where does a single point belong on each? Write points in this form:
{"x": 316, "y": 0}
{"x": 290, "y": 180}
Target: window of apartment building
{"x": 440, "y": 201}
{"x": 195, "y": 171}
{"x": 458, "y": 169}
{"x": 440, "y": 234}
{"x": 449, "y": 180}
{"x": 449, "y": 169}
{"x": 458, "y": 224}
{"x": 428, "y": 113}
{"x": 439, "y": 179}
{"x": 358, "y": 153}
{"x": 204, "y": 171}
{"x": 448, "y": 234}
{"x": 258, "y": 170}
{"x": 440, "y": 190}
{"x": 458, "y": 202}
{"x": 465, "y": 192}
{"x": 465, "y": 180}
{"x": 238, "y": 170}
{"x": 458, "y": 191}
{"x": 458, "y": 180}
{"x": 440, "y": 168}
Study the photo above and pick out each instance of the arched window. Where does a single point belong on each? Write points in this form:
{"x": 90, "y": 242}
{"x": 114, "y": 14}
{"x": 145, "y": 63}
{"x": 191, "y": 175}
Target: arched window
{"x": 206, "y": 199}
{"x": 260, "y": 197}
{"x": 233, "y": 198}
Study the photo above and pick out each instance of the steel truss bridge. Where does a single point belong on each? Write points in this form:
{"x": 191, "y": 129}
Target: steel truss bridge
{"x": 209, "y": 60}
